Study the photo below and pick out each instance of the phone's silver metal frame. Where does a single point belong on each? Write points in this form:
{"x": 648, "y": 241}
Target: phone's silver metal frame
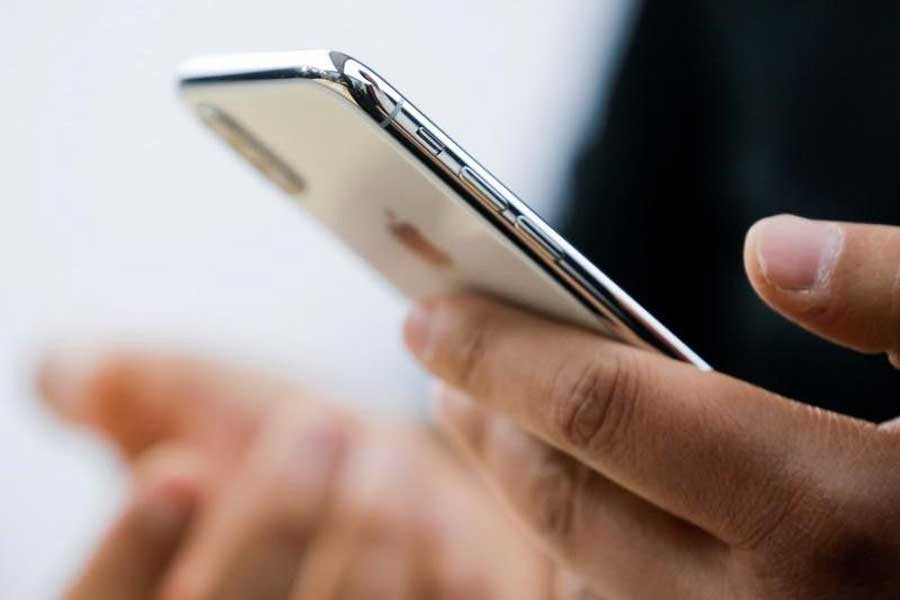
{"x": 475, "y": 184}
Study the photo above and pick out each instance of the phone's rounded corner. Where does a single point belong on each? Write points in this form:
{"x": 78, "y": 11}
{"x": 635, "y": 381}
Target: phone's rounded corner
{"x": 339, "y": 59}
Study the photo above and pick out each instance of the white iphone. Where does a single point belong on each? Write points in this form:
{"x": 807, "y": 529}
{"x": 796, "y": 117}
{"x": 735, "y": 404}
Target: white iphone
{"x": 369, "y": 166}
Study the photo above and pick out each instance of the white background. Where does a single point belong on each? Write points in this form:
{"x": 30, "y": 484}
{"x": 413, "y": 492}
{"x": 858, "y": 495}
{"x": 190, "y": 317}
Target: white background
{"x": 120, "y": 218}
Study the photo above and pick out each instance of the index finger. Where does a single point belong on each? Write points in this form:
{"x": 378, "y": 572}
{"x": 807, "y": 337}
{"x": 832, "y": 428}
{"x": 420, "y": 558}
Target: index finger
{"x": 727, "y": 456}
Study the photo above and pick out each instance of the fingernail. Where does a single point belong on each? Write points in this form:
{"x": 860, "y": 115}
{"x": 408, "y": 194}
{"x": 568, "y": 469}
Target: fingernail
{"x": 165, "y": 512}
{"x": 417, "y": 329}
{"x": 65, "y": 373}
{"x": 797, "y": 254}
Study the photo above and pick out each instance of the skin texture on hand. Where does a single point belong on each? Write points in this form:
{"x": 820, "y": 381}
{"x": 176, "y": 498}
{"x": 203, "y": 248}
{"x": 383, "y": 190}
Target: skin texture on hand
{"x": 247, "y": 488}
{"x": 643, "y": 477}
{"x": 651, "y": 479}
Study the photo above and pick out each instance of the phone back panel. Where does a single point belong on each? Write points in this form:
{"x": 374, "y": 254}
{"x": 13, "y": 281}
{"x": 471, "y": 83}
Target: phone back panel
{"x": 372, "y": 193}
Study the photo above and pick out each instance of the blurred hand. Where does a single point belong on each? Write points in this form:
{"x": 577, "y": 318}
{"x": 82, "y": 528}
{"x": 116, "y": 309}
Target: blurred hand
{"x": 652, "y": 479}
{"x": 245, "y": 487}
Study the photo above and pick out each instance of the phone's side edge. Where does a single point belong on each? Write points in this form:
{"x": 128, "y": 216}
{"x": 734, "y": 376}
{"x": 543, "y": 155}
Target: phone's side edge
{"x": 559, "y": 258}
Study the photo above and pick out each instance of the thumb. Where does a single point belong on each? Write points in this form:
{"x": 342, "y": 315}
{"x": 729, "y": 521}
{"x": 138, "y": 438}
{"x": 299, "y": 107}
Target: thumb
{"x": 839, "y": 280}
{"x": 140, "y": 399}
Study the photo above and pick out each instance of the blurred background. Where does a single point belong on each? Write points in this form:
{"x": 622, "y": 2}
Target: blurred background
{"x": 122, "y": 219}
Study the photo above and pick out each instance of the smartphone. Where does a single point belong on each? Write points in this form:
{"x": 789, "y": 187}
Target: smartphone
{"x": 358, "y": 156}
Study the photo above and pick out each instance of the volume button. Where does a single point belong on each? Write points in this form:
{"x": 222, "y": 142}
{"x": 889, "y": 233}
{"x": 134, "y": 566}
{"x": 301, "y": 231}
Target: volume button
{"x": 430, "y": 140}
{"x": 523, "y": 224}
{"x": 475, "y": 180}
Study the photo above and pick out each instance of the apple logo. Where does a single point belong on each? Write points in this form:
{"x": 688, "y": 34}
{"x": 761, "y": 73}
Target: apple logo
{"x": 413, "y": 240}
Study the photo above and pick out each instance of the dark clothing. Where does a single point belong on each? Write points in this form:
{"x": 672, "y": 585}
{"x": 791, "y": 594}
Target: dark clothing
{"x": 723, "y": 113}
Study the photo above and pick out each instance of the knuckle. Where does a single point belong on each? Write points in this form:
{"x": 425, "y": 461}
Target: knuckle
{"x": 594, "y": 403}
{"x": 471, "y": 347}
